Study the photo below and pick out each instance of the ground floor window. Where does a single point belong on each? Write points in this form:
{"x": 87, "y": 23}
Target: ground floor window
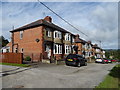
{"x": 16, "y": 50}
{"x": 57, "y": 49}
{"x": 88, "y": 54}
{"x": 67, "y": 49}
{"x": 21, "y": 50}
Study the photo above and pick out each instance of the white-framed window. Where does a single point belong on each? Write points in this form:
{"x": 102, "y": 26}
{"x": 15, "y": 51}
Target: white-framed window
{"x": 57, "y": 49}
{"x": 73, "y": 39}
{"x": 89, "y": 46}
{"x": 97, "y": 50}
{"x": 67, "y": 49}
{"x": 21, "y": 34}
{"x": 86, "y": 46}
{"x": 57, "y": 34}
{"x": 21, "y": 50}
{"x": 83, "y": 46}
{"x": 86, "y": 54}
{"x": 67, "y": 37}
{"x": 48, "y": 32}
{"x": 16, "y": 50}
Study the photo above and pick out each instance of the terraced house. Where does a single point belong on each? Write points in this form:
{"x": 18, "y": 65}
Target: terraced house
{"x": 42, "y": 40}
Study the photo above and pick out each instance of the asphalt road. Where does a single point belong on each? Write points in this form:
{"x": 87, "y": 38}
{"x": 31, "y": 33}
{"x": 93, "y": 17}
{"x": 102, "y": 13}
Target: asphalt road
{"x": 54, "y": 76}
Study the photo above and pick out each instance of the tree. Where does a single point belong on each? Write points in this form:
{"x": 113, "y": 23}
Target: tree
{"x": 3, "y": 41}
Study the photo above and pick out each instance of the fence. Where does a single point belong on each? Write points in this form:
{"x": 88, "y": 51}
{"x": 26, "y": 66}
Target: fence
{"x": 11, "y": 58}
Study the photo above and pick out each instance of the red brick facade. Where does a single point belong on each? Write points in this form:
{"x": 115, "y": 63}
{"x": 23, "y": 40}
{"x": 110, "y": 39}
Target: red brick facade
{"x": 33, "y": 40}
{"x": 28, "y": 43}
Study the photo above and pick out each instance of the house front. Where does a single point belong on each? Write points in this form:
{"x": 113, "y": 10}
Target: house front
{"x": 42, "y": 40}
{"x": 97, "y": 51}
{"x": 84, "y": 47}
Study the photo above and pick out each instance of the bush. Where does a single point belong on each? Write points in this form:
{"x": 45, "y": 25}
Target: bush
{"x": 92, "y": 57}
{"x": 28, "y": 58}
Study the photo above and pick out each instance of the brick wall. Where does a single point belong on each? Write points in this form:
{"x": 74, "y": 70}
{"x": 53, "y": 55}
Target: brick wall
{"x": 28, "y": 42}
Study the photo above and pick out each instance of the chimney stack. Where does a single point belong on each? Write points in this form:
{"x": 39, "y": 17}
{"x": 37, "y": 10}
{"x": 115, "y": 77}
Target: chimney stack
{"x": 48, "y": 18}
{"x": 77, "y": 36}
{"x": 89, "y": 42}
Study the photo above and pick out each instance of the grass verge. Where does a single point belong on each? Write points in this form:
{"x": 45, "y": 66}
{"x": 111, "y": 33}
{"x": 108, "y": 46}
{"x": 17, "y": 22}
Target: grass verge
{"x": 112, "y": 80}
{"x": 14, "y": 64}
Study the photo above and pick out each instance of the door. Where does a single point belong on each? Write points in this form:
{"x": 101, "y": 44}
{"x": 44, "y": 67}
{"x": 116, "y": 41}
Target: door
{"x": 48, "y": 50}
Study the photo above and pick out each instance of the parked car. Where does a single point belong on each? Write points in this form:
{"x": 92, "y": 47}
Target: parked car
{"x": 109, "y": 61}
{"x": 100, "y": 60}
{"x": 75, "y": 60}
{"x": 113, "y": 60}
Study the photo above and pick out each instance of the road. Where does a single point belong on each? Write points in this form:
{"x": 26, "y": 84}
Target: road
{"x": 55, "y": 76}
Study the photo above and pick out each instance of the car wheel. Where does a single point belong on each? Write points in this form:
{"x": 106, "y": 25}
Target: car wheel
{"x": 85, "y": 64}
{"x": 67, "y": 64}
{"x": 78, "y": 64}
{"x": 103, "y": 62}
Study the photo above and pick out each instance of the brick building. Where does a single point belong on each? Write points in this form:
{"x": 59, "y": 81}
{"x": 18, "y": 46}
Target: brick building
{"x": 84, "y": 47}
{"x": 42, "y": 40}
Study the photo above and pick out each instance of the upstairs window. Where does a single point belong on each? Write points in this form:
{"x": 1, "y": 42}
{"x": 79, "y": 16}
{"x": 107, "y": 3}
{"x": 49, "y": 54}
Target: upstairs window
{"x": 89, "y": 46}
{"x": 86, "y": 46}
{"x": 48, "y": 32}
{"x": 73, "y": 39}
{"x": 83, "y": 46}
{"x": 57, "y": 34}
{"x": 67, "y": 37}
{"x": 21, "y": 34}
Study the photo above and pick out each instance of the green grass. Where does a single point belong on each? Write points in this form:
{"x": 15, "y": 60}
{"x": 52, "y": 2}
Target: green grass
{"x": 112, "y": 80}
{"x": 14, "y": 64}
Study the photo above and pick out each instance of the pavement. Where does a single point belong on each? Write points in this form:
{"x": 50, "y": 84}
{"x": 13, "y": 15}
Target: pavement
{"x": 54, "y": 76}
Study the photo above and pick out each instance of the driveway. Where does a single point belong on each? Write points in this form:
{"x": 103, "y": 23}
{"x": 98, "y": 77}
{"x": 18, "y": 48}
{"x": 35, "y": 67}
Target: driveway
{"x": 55, "y": 76}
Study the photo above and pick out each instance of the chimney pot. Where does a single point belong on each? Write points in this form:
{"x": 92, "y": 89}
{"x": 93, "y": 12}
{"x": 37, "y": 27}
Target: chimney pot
{"x": 48, "y": 18}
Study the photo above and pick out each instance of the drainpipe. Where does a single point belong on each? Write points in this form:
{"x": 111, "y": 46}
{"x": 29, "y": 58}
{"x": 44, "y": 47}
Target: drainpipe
{"x": 12, "y": 42}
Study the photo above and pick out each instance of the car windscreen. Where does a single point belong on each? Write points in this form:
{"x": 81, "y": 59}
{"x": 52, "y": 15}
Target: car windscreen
{"x": 72, "y": 56}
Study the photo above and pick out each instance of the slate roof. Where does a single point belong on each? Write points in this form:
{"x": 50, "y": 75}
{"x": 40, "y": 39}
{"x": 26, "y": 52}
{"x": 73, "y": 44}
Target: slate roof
{"x": 40, "y": 22}
{"x": 79, "y": 40}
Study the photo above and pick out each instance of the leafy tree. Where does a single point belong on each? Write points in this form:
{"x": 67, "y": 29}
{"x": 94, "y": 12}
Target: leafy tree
{"x": 3, "y": 41}
{"x": 114, "y": 53}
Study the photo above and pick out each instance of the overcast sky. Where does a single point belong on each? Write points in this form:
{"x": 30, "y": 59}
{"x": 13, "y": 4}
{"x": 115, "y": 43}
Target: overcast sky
{"x": 99, "y": 20}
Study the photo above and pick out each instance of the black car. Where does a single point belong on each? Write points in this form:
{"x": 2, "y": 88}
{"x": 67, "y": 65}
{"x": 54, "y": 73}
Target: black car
{"x": 75, "y": 60}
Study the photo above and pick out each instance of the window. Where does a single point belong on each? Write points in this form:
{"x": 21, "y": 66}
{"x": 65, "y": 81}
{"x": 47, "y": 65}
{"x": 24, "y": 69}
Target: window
{"x": 7, "y": 50}
{"x": 21, "y": 50}
{"x": 16, "y": 50}
{"x": 57, "y": 34}
{"x": 73, "y": 39}
{"x": 48, "y": 33}
{"x": 83, "y": 46}
{"x": 67, "y": 49}
{"x": 86, "y": 54}
{"x": 67, "y": 37}
{"x": 21, "y": 34}
{"x": 89, "y": 46}
{"x": 57, "y": 49}
{"x": 86, "y": 46}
